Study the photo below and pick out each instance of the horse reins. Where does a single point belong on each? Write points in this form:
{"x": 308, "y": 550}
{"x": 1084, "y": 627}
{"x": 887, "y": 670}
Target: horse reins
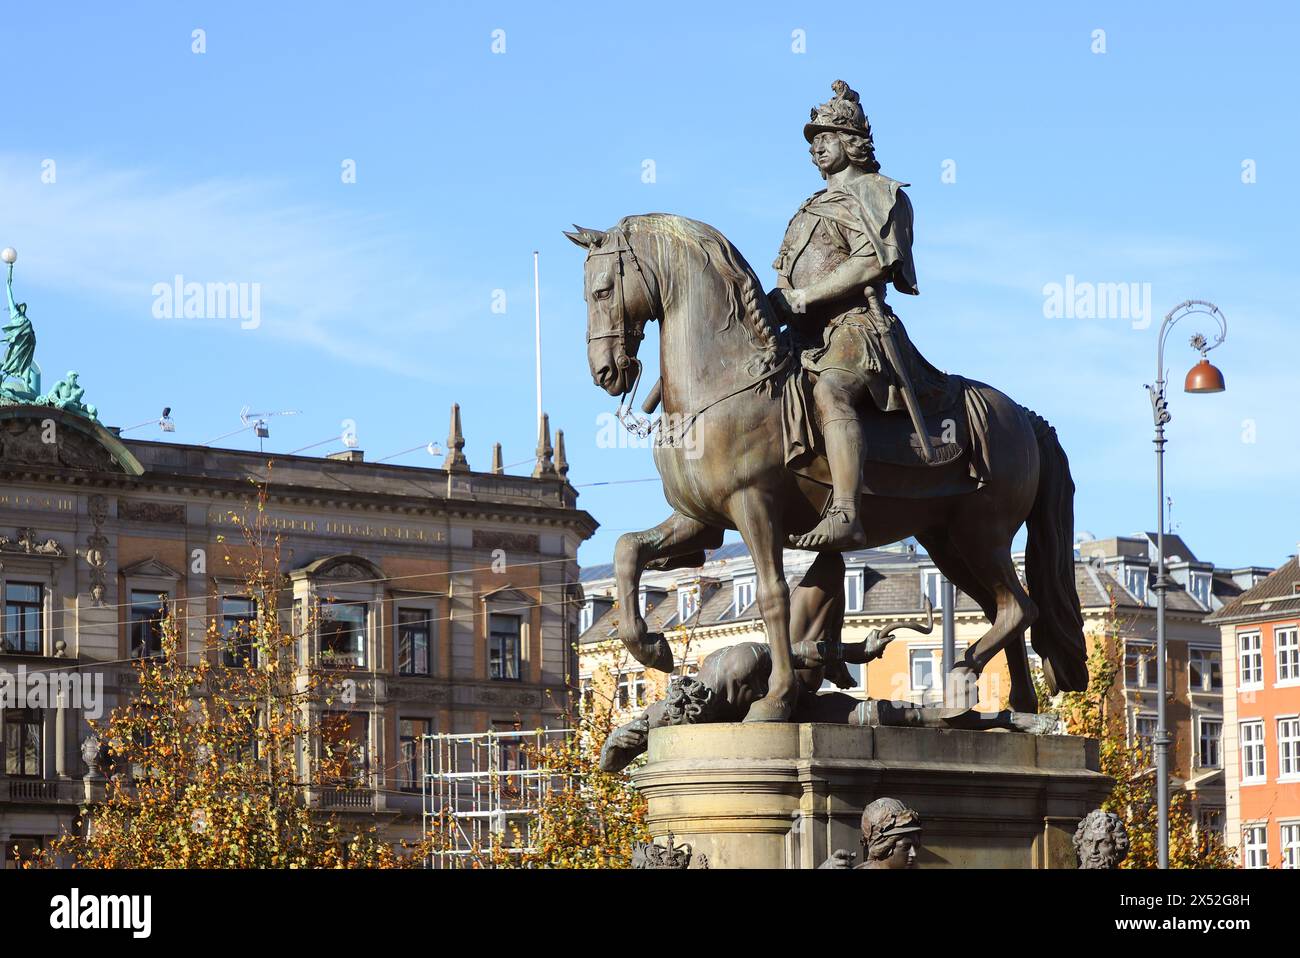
{"x": 632, "y": 422}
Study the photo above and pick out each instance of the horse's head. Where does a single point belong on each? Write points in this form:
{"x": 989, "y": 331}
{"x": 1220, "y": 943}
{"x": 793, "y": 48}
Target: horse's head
{"x": 619, "y": 304}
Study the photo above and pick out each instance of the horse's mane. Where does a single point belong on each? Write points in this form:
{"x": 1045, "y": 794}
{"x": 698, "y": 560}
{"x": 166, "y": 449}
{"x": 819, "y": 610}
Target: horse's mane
{"x": 747, "y": 304}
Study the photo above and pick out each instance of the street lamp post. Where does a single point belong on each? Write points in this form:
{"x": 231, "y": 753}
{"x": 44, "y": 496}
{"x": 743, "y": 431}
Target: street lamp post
{"x": 1204, "y": 377}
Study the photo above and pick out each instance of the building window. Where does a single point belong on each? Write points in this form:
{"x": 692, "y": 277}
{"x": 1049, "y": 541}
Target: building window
{"x": 921, "y": 662}
{"x": 743, "y": 592}
{"x": 238, "y": 625}
{"x": 1254, "y": 844}
{"x": 1135, "y": 580}
{"x": 413, "y": 645}
{"x": 343, "y": 634}
{"x": 932, "y": 586}
{"x": 411, "y": 758}
{"x": 1288, "y": 747}
{"x": 1287, "y": 642}
{"x": 688, "y": 602}
{"x": 1205, "y": 670}
{"x": 631, "y": 689}
{"x": 853, "y": 591}
{"x": 1199, "y": 586}
{"x": 1211, "y": 737}
{"x": 1144, "y": 733}
{"x": 22, "y": 742}
{"x": 23, "y": 605}
{"x": 586, "y": 616}
{"x": 21, "y": 850}
{"x": 1252, "y": 660}
{"x": 503, "y": 647}
{"x": 1211, "y": 819}
{"x": 1291, "y": 844}
{"x": 586, "y": 694}
{"x": 1139, "y": 666}
{"x": 1252, "y": 752}
{"x": 345, "y": 747}
{"x": 147, "y": 612}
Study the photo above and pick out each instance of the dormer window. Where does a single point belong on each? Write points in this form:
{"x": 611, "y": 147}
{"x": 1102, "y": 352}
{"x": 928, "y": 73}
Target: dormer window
{"x": 743, "y": 592}
{"x": 1199, "y": 586}
{"x": 586, "y": 616}
{"x": 853, "y": 591}
{"x": 688, "y": 603}
{"x": 1135, "y": 580}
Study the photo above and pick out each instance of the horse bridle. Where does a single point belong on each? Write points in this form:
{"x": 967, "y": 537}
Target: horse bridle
{"x": 619, "y": 329}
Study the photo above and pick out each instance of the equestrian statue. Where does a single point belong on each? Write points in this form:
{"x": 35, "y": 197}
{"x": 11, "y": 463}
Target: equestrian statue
{"x": 806, "y": 418}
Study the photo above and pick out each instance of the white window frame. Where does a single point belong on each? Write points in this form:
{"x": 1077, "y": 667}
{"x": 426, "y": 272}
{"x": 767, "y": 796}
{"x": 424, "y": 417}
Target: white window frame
{"x": 1289, "y": 833}
{"x": 1139, "y": 718}
{"x": 688, "y": 603}
{"x": 1286, "y": 658}
{"x": 743, "y": 588}
{"x": 1200, "y": 740}
{"x": 586, "y": 615}
{"x": 634, "y": 680}
{"x": 1247, "y": 745}
{"x": 1205, "y": 673}
{"x": 927, "y": 653}
{"x": 1256, "y": 653}
{"x": 1288, "y": 748}
{"x": 854, "y": 591}
{"x": 1254, "y": 854}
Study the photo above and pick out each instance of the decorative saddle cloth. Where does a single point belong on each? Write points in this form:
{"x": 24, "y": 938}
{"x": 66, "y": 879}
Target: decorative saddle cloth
{"x": 956, "y": 424}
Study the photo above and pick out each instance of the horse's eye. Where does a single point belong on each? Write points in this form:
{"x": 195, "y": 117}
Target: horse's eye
{"x": 601, "y": 293}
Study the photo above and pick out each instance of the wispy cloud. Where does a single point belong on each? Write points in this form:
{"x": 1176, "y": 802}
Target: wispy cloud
{"x": 344, "y": 283}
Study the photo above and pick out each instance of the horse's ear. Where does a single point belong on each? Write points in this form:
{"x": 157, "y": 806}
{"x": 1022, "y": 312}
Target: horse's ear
{"x": 587, "y": 239}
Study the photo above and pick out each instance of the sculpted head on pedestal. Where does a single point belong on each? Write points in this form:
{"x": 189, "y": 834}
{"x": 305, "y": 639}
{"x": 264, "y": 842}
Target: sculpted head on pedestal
{"x": 891, "y": 834}
{"x": 1101, "y": 840}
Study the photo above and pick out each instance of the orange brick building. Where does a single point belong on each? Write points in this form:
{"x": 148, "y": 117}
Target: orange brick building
{"x": 1260, "y": 633}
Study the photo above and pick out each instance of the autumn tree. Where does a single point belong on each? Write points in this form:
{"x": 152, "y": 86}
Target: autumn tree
{"x": 210, "y": 761}
{"x": 1099, "y": 712}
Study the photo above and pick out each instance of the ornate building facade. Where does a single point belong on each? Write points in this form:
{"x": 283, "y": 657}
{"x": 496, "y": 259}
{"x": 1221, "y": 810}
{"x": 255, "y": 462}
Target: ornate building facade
{"x": 450, "y": 596}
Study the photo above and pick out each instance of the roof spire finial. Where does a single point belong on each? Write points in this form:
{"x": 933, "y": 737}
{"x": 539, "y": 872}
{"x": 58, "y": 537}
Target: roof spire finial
{"x": 545, "y": 468}
{"x": 455, "y": 461}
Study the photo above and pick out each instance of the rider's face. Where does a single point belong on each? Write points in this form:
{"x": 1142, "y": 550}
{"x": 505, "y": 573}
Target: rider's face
{"x": 828, "y": 153}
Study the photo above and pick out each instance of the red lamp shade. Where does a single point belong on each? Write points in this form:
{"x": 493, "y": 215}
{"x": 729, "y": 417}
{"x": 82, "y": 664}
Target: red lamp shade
{"x": 1204, "y": 377}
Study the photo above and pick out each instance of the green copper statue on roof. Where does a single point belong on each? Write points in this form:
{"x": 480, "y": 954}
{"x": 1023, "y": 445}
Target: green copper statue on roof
{"x": 20, "y": 375}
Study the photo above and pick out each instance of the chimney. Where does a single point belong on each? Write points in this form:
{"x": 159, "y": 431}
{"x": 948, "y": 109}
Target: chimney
{"x": 497, "y": 468}
{"x": 455, "y": 461}
{"x": 347, "y": 455}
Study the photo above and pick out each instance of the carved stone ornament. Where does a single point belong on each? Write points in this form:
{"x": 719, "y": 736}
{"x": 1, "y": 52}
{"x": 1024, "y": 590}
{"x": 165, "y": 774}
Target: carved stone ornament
{"x": 27, "y": 542}
{"x": 672, "y": 855}
{"x": 164, "y": 512}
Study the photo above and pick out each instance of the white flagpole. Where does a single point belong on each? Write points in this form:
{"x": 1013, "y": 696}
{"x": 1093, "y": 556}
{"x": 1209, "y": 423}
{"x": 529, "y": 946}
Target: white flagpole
{"x": 537, "y": 312}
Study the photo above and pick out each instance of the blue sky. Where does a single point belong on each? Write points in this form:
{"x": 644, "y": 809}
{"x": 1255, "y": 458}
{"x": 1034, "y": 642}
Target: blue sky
{"x": 225, "y": 166}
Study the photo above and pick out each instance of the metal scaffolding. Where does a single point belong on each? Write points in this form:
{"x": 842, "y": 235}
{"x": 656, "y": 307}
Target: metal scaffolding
{"x": 482, "y": 792}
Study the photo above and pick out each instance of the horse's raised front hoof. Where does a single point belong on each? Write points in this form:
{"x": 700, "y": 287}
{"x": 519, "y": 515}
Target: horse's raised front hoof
{"x": 653, "y": 652}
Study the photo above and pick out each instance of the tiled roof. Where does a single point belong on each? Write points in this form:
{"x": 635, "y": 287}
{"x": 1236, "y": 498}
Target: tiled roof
{"x": 1275, "y": 596}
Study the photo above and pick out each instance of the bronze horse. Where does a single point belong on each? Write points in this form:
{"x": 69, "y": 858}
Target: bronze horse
{"x": 723, "y": 361}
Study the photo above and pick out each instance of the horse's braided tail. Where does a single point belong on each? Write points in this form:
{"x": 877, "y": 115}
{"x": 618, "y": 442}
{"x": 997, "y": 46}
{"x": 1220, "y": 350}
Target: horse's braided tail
{"x": 1057, "y": 633}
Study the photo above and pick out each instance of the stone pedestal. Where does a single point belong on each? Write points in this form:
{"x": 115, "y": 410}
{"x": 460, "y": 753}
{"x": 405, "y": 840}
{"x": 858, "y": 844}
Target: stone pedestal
{"x": 785, "y": 796}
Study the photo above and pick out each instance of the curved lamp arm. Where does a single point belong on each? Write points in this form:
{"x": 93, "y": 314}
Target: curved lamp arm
{"x": 1188, "y": 307}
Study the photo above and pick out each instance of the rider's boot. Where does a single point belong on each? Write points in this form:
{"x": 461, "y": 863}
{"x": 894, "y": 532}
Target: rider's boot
{"x": 839, "y": 528}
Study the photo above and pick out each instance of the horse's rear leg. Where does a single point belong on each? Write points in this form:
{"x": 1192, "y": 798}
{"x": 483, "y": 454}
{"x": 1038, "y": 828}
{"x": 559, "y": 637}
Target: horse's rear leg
{"x": 1014, "y": 613}
{"x": 1022, "y": 698}
{"x": 674, "y": 536}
